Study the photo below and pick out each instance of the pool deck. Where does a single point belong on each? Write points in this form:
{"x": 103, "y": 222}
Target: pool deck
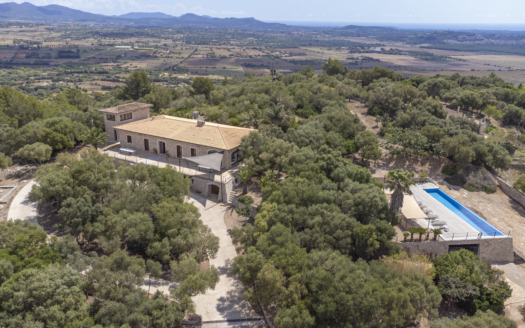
{"x": 458, "y": 229}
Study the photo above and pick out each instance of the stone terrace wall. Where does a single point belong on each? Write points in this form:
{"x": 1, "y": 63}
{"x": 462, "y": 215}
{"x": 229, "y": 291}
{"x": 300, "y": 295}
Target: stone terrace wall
{"x": 511, "y": 191}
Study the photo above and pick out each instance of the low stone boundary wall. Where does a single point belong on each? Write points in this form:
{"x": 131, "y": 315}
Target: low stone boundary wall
{"x": 511, "y": 191}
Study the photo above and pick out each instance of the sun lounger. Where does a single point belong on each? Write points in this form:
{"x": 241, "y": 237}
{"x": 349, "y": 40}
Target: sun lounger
{"x": 439, "y": 223}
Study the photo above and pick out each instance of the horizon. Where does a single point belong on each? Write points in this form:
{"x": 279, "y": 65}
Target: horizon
{"x": 329, "y": 13}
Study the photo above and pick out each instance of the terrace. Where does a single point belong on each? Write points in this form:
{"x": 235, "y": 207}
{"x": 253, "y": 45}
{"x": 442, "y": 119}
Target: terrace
{"x": 178, "y": 164}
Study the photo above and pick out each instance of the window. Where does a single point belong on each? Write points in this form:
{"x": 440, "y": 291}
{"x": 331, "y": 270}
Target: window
{"x": 125, "y": 117}
{"x": 110, "y": 117}
{"x": 193, "y": 152}
{"x": 146, "y": 144}
{"x": 235, "y": 157}
{"x": 179, "y": 151}
{"x": 129, "y": 139}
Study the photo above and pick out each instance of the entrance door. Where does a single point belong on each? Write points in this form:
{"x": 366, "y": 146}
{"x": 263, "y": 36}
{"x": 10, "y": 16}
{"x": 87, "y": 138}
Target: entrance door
{"x": 179, "y": 151}
{"x": 116, "y": 138}
{"x": 162, "y": 147}
{"x": 215, "y": 189}
{"x": 146, "y": 144}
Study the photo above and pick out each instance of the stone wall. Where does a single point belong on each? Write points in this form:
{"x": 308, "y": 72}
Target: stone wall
{"x": 490, "y": 249}
{"x": 511, "y": 191}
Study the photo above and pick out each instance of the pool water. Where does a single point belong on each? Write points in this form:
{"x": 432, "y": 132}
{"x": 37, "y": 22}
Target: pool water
{"x": 467, "y": 215}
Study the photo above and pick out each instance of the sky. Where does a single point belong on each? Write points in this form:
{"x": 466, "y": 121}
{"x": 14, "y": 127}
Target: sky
{"x": 473, "y": 12}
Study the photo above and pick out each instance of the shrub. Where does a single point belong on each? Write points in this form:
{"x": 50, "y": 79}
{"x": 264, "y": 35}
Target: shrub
{"x": 375, "y": 111}
{"x": 350, "y": 146}
{"x": 520, "y": 183}
{"x": 244, "y": 211}
{"x": 5, "y": 161}
{"x": 491, "y": 129}
{"x": 449, "y": 169}
{"x": 423, "y": 175}
{"x": 246, "y": 200}
{"x": 490, "y": 189}
{"x": 37, "y": 152}
{"x": 509, "y": 146}
{"x": 470, "y": 186}
{"x": 234, "y": 121}
{"x": 521, "y": 138}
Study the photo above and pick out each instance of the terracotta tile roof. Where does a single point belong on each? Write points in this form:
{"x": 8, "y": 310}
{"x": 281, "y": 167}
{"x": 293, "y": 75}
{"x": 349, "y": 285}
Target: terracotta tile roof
{"x": 125, "y": 108}
{"x": 214, "y": 135}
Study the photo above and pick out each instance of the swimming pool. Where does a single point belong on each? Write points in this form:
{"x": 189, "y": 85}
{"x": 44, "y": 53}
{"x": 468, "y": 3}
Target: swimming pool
{"x": 467, "y": 215}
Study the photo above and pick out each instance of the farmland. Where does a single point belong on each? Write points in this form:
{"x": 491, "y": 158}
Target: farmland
{"x": 88, "y": 57}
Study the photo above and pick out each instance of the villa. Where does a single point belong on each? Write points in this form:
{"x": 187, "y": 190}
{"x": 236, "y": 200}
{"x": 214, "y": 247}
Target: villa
{"x": 206, "y": 152}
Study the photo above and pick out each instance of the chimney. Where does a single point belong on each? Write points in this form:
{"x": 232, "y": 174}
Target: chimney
{"x": 196, "y": 115}
{"x": 200, "y": 122}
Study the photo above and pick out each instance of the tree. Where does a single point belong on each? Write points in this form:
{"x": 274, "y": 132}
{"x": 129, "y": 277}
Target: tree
{"x": 5, "y": 161}
{"x": 138, "y": 85}
{"x": 43, "y": 298}
{"x": 470, "y": 270}
{"x": 37, "y": 152}
{"x": 368, "y": 145}
{"x": 160, "y": 98}
{"x": 95, "y": 136}
{"x": 333, "y": 67}
{"x": 203, "y": 86}
{"x": 277, "y": 115}
{"x": 399, "y": 181}
{"x": 245, "y": 175}
{"x": 481, "y": 319}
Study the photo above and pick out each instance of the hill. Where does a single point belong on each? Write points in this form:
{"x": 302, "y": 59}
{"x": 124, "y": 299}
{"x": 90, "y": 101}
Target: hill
{"x": 137, "y": 15}
{"x": 55, "y": 14}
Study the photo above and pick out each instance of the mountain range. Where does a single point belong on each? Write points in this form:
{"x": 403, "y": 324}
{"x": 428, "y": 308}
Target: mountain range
{"x": 56, "y": 14}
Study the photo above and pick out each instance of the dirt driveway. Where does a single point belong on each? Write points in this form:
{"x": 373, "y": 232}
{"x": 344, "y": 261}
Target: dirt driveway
{"x": 225, "y": 302}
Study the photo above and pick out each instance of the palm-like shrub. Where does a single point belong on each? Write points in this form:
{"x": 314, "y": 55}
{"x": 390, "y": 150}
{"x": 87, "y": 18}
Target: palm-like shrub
{"x": 95, "y": 136}
{"x": 244, "y": 174}
{"x": 399, "y": 181}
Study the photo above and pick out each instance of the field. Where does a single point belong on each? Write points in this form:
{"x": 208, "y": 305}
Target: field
{"x": 237, "y": 55}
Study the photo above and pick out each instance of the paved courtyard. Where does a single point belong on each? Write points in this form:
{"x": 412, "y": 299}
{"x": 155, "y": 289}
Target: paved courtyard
{"x": 225, "y": 301}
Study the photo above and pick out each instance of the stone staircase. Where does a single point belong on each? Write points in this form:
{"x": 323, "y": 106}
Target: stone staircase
{"x": 234, "y": 194}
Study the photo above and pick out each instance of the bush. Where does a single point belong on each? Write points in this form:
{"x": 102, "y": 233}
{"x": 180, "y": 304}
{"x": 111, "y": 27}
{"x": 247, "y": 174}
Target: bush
{"x": 521, "y": 138}
{"x": 520, "y": 183}
{"x": 37, "y": 152}
{"x": 470, "y": 186}
{"x": 491, "y": 129}
{"x": 490, "y": 189}
{"x": 510, "y": 147}
{"x": 5, "y": 161}
{"x": 423, "y": 175}
{"x": 234, "y": 121}
{"x": 449, "y": 169}
{"x": 350, "y": 147}
{"x": 375, "y": 111}
{"x": 246, "y": 200}
{"x": 245, "y": 211}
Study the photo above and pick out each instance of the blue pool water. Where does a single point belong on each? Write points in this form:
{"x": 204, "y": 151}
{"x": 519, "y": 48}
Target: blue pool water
{"x": 467, "y": 215}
